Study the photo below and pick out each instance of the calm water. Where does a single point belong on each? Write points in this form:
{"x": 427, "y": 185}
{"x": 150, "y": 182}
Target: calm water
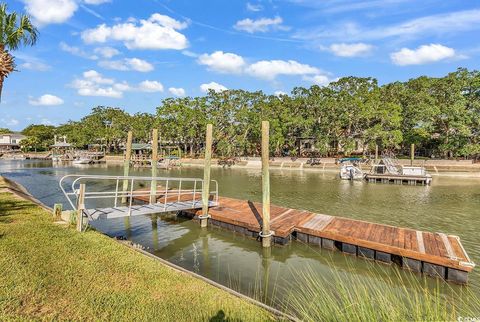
{"x": 450, "y": 205}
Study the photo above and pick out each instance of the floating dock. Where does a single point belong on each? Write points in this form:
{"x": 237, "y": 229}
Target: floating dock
{"x": 398, "y": 179}
{"x": 434, "y": 254}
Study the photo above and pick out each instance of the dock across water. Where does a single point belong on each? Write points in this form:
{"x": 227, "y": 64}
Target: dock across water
{"x": 435, "y": 254}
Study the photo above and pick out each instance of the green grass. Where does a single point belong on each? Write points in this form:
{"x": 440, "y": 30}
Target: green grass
{"x": 402, "y": 296}
{"x": 51, "y": 272}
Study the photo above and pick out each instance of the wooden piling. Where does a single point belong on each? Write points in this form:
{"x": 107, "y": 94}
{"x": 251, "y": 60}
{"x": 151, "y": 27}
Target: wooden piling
{"x": 153, "y": 185}
{"x": 206, "y": 176}
{"x": 412, "y": 153}
{"x": 126, "y": 164}
{"x": 57, "y": 211}
{"x": 266, "y": 233}
{"x": 80, "y": 206}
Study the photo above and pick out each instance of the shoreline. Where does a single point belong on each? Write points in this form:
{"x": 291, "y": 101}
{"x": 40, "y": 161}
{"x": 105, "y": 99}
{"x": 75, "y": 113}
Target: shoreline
{"x": 450, "y": 168}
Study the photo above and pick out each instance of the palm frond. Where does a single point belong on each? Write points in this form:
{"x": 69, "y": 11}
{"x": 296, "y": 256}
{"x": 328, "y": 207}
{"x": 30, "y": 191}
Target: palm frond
{"x": 16, "y": 30}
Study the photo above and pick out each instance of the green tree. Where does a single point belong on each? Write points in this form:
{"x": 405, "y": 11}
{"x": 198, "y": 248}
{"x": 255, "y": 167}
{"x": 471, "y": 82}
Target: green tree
{"x": 15, "y": 31}
{"x": 39, "y": 136}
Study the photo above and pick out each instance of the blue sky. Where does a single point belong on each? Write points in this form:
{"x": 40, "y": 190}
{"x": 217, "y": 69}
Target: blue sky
{"x": 132, "y": 54}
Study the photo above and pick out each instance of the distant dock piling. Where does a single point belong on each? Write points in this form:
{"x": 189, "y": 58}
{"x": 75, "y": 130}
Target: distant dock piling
{"x": 412, "y": 153}
{"x": 206, "y": 176}
{"x": 266, "y": 234}
{"x": 153, "y": 184}
{"x": 126, "y": 163}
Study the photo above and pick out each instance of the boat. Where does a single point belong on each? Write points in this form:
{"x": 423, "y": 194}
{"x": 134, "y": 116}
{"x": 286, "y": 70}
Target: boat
{"x": 82, "y": 160}
{"x": 350, "y": 170}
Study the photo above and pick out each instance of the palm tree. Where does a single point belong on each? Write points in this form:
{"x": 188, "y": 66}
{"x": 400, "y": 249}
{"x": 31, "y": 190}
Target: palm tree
{"x": 15, "y": 31}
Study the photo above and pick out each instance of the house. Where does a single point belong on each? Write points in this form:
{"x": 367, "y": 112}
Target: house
{"x": 10, "y": 142}
{"x": 309, "y": 145}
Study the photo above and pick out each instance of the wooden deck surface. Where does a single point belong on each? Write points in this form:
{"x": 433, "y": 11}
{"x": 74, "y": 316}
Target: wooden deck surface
{"x": 436, "y": 248}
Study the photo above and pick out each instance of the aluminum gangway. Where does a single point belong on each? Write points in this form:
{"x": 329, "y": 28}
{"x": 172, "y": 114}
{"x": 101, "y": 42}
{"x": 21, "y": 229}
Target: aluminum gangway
{"x": 107, "y": 197}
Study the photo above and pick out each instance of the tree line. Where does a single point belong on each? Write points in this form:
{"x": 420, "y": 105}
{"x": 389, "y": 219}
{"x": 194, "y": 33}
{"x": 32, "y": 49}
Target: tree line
{"x": 438, "y": 115}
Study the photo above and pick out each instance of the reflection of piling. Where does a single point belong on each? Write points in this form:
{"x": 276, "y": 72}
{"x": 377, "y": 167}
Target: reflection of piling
{"x": 266, "y": 260}
{"x": 153, "y": 185}
{"x": 155, "y": 231}
{"x": 412, "y": 153}
{"x": 266, "y": 234}
{"x": 206, "y": 177}
{"x": 206, "y": 258}
{"x": 126, "y": 164}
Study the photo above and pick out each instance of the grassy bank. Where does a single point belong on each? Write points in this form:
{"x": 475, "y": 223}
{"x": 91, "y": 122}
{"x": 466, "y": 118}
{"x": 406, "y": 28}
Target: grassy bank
{"x": 49, "y": 271}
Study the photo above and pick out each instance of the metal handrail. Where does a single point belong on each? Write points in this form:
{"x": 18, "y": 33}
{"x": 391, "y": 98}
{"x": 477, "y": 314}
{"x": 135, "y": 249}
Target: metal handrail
{"x": 71, "y": 192}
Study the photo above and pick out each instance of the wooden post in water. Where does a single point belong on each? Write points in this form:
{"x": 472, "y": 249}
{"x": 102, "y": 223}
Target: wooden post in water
{"x": 412, "y": 153}
{"x": 153, "y": 185}
{"x": 206, "y": 177}
{"x": 126, "y": 164}
{"x": 80, "y": 206}
{"x": 266, "y": 234}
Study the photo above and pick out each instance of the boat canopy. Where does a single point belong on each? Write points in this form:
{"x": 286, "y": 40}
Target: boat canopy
{"x": 349, "y": 160}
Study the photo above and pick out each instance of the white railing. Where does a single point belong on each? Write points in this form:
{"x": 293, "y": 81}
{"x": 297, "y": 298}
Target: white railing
{"x": 129, "y": 188}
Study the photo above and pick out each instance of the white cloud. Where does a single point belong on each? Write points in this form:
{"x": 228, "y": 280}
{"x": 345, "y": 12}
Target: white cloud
{"x": 212, "y": 86}
{"x": 46, "y": 12}
{"x": 177, "y": 91}
{"x": 106, "y": 52}
{"x": 422, "y": 55}
{"x": 35, "y": 65}
{"x": 270, "y": 69}
{"x": 157, "y": 32}
{"x": 150, "y": 86}
{"x": 76, "y": 51}
{"x": 350, "y": 50}
{"x": 254, "y": 7}
{"x": 96, "y": 1}
{"x": 96, "y": 77}
{"x": 46, "y": 100}
{"x": 222, "y": 62}
{"x": 320, "y": 79}
{"x": 127, "y": 64}
{"x": 50, "y": 11}
{"x": 189, "y": 53}
{"x": 94, "y": 84}
{"x": 260, "y": 25}
{"x": 279, "y": 93}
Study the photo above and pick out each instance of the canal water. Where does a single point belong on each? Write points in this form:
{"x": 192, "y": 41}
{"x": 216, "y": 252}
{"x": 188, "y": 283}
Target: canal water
{"x": 450, "y": 204}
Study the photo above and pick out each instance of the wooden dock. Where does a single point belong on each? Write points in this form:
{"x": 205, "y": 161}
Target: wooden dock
{"x": 398, "y": 179}
{"x": 435, "y": 254}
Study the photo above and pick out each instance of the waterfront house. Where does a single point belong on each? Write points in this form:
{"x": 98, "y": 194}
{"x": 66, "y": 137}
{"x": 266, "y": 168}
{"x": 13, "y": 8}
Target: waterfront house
{"x": 10, "y": 142}
{"x": 309, "y": 145}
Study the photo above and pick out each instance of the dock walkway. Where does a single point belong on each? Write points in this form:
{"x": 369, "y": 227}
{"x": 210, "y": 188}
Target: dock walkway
{"x": 435, "y": 254}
